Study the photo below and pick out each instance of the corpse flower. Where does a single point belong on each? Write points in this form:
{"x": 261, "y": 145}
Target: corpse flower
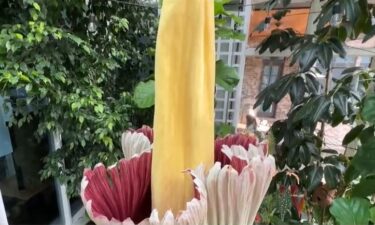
{"x": 230, "y": 193}
{"x": 121, "y": 194}
{"x": 157, "y": 175}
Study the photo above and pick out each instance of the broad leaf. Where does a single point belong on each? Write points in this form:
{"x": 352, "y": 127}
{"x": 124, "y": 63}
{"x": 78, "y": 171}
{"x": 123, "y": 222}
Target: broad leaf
{"x": 226, "y": 76}
{"x": 313, "y": 110}
{"x": 364, "y": 160}
{"x": 353, "y": 134}
{"x": 144, "y": 94}
{"x": 351, "y": 173}
{"x": 367, "y": 134}
{"x": 313, "y": 177}
{"x": 332, "y": 176}
{"x": 372, "y": 214}
{"x": 364, "y": 188}
{"x": 353, "y": 211}
{"x": 368, "y": 111}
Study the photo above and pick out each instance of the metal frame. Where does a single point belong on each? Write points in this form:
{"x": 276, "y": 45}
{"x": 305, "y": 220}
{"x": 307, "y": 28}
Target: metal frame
{"x": 232, "y": 104}
{"x": 62, "y": 197}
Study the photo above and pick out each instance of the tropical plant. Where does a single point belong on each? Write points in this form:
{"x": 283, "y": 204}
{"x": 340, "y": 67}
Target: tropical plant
{"x": 300, "y": 137}
{"x": 77, "y": 81}
{"x": 85, "y": 70}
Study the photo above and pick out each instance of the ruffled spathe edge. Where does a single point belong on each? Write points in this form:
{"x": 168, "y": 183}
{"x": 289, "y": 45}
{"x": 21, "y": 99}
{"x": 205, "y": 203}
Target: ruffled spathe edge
{"x": 235, "y": 191}
{"x": 194, "y": 214}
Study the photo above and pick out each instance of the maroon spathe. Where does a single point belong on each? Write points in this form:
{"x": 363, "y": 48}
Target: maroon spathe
{"x": 123, "y": 191}
{"x": 235, "y": 139}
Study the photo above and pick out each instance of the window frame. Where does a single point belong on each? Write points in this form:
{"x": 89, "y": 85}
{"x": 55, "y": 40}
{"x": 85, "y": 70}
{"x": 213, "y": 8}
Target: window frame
{"x": 270, "y": 62}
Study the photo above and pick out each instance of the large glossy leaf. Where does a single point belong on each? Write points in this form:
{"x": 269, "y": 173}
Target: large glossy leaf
{"x": 325, "y": 55}
{"x": 144, "y": 94}
{"x": 226, "y": 76}
{"x": 297, "y": 90}
{"x": 313, "y": 110}
{"x": 367, "y": 134}
{"x": 353, "y": 211}
{"x": 313, "y": 176}
{"x": 332, "y": 176}
{"x": 366, "y": 187}
{"x": 308, "y": 57}
{"x": 368, "y": 111}
{"x": 353, "y": 134}
{"x": 340, "y": 101}
{"x": 280, "y": 39}
{"x": 336, "y": 46}
{"x": 372, "y": 214}
{"x": 351, "y": 173}
{"x": 275, "y": 92}
{"x": 364, "y": 160}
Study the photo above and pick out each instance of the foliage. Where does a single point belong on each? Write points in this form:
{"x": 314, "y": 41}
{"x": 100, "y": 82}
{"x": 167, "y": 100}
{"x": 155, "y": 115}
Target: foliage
{"x": 351, "y": 211}
{"x": 223, "y": 129}
{"x": 144, "y": 94}
{"x": 77, "y": 83}
{"x": 300, "y": 147}
{"x": 226, "y": 76}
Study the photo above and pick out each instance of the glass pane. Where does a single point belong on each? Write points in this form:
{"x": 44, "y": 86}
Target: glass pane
{"x": 219, "y": 115}
{"x": 231, "y": 105}
{"x": 224, "y": 47}
{"x": 219, "y": 105}
{"x": 266, "y": 70}
{"x": 236, "y": 59}
{"x": 230, "y": 116}
{"x": 237, "y": 47}
{"x": 27, "y": 199}
{"x": 220, "y": 94}
{"x": 225, "y": 58}
{"x": 274, "y": 75}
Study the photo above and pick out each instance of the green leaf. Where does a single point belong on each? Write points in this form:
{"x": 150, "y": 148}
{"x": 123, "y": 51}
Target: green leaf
{"x": 226, "y": 76}
{"x": 364, "y": 160}
{"x": 364, "y": 188}
{"x": 372, "y": 214}
{"x": 278, "y": 15}
{"x": 36, "y": 6}
{"x": 308, "y": 58}
{"x": 99, "y": 108}
{"x": 313, "y": 177}
{"x": 144, "y": 94}
{"x": 313, "y": 110}
{"x": 219, "y": 6}
{"x": 353, "y": 134}
{"x": 332, "y": 176}
{"x": 366, "y": 134}
{"x": 337, "y": 47}
{"x": 223, "y": 129}
{"x": 353, "y": 211}
{"x": 351, "y": 173}
{"x": 368, "y": 110}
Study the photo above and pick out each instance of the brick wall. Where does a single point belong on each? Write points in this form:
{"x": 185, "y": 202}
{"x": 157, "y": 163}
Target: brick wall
{"x": 251, "y": 88}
